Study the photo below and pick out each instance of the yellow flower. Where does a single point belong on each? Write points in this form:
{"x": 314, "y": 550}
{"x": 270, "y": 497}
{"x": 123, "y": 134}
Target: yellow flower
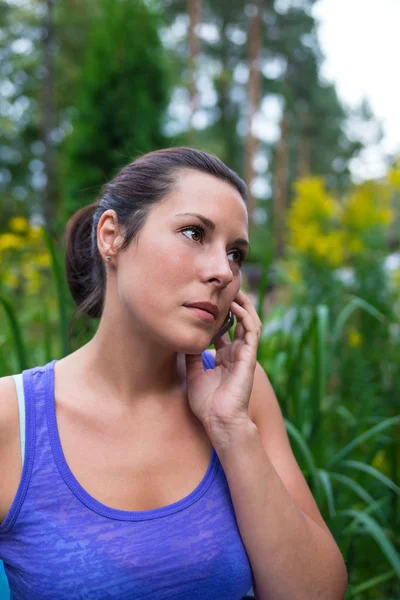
{"x": 394, "y": 177}
{"x": 294, "y": 274}
{"x": 355, "y": 244}
{"x": 330, "y": 247}
{"x": 19, "y": 224}
{"x": 367, "y": 207}
{"x": 330, "y": 231}
{"x": 396, "y": 276}
{"x": 380, "y": 461}
{"x": 311, "y": 219}
{"x": 43, "y": 260}
{"x": 11, "y": 279}
{"x": 29, "y": 271}
{"x": 303, "y": 236}
{"x": 32, "y": 279}
{"x": 10, "y": 241}
{"x": 311, "y": 205}
{"x": 35, "y": 233}
{"x": 355, "y": 339}
{"x": 33, "y": 286}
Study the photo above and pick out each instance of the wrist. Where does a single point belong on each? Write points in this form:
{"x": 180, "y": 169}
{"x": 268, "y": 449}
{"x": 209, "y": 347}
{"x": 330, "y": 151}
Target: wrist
{"x": 225, "y": 436}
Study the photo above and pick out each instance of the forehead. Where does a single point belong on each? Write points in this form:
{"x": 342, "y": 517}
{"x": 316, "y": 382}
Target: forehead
{"x": 208, "y": 195}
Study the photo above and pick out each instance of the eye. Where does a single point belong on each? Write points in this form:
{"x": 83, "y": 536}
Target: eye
{"x": 201, "y": 233}
{"x": 240, "y": 257}
{"x": 198, "y": 229}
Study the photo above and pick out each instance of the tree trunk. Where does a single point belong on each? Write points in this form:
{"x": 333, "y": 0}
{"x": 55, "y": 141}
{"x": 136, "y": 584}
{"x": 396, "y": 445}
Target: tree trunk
{"x": 304, "y": 150}
{"x": 281, "y": 184}
{"x": 225, "y": 130}
{"x": 49, "y": 192}
{"x": 253, "y": 99}
{"x": 194, "y": 10}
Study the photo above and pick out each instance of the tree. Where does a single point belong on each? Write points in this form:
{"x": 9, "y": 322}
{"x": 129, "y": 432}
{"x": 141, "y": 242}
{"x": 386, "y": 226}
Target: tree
{"x": 254, "y": 43}
{"x": 20, "y": 147}
{"x": 48, "y": 119}
{"x": 121, "y": 100}
{"x": 194, "y": 9}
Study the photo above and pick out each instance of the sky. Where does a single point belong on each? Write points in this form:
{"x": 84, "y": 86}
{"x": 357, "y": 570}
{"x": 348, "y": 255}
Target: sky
{"x": 361, "y": 43}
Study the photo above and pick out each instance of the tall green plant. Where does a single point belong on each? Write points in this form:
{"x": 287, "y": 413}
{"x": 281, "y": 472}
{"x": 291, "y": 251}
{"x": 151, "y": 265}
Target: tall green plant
{"x": 301, "y": 351}
{"x": 16, "y": 331}
{"x": 59, "y": 280}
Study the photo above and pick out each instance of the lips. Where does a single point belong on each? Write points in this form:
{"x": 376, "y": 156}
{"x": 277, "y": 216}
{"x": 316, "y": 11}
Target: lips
{"x": 207, "y": 306}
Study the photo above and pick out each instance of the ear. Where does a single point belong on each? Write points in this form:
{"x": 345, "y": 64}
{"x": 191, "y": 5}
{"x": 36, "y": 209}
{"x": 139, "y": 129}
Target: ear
{"x": 108, "y": 233}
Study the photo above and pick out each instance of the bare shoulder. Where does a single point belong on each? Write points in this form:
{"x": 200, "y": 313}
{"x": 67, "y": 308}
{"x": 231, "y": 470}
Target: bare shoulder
{"x": 10, "y": 453}
{"x": 8, "y": 408}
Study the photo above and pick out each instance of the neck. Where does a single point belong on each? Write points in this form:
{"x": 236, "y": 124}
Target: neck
{"x": 129, "y": 365}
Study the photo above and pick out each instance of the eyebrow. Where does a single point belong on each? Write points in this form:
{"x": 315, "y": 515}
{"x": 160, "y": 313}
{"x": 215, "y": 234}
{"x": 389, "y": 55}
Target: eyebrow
{"x": 211, "y": 225}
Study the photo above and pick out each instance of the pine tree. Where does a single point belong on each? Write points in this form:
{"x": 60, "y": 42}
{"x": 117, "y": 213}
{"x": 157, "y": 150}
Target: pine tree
{"x": 121, "y": 101}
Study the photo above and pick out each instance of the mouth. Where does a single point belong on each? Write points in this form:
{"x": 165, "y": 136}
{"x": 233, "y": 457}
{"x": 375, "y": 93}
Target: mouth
{"x": 205, "y": 310}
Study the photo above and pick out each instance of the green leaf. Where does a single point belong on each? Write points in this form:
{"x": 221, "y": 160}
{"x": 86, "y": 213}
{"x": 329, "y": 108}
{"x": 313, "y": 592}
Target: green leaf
{"x": 362, "y": 438}
{"x": 325, "y": 479}
{"x": 370, "y": 583}
{"x": 308, "y": 457}
{"x": 376, "y": 531}
{"x": 321, "y": 346}
{"x": 348, "y": 310}
{"x": 47, "y": 345}
{"x": 354, "y": 486}
{"x": 60, "y": 286}
{"x": 355, "y": 464}
{"x": 263, "y": 283}
{"x": 17, "y": 333}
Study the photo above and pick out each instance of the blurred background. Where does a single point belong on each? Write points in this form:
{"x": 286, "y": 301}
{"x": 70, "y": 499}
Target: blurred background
{"x": 301, "y": 98}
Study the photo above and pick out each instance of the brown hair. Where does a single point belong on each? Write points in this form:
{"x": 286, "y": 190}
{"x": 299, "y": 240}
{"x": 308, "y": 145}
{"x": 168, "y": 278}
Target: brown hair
{"x": 132, "y": 193}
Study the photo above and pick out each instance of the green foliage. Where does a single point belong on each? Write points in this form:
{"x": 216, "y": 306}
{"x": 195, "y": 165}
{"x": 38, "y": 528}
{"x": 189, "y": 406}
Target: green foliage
{"x": 16, "y": 332}
{"x": 350, "y": 466}
{"x": 121, "y": 98}
{"x": 331, "y": 349}
{"x": 19, "y": 107}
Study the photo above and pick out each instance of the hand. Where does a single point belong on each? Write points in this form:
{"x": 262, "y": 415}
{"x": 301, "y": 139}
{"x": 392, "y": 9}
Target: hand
{"x": 220, "y": 397}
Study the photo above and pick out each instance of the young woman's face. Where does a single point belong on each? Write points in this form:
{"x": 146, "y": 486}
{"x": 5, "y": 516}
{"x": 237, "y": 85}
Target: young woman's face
{"x": 177, "y": 260}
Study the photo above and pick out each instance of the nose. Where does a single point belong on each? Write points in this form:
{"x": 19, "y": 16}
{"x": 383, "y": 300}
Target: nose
{"x": 218, "y": 267}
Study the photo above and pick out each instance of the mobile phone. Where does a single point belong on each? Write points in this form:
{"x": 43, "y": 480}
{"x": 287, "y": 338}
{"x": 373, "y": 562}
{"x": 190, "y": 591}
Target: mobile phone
{"x": 227, "y": 324}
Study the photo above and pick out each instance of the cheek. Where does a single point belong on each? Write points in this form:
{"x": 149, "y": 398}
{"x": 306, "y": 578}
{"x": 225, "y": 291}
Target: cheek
{"x": 156, "y": 278}
{"x": 166, "y": 268}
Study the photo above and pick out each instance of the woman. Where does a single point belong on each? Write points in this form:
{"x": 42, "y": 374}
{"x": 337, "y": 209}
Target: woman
{"x": 152, "y": 467}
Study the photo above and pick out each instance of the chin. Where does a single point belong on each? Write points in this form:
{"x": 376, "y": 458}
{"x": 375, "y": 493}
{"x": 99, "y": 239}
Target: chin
{"x": 194, "y": 344}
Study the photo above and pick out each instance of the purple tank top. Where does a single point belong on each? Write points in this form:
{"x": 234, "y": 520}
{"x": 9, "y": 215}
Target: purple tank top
{"x": 59, "y": 543}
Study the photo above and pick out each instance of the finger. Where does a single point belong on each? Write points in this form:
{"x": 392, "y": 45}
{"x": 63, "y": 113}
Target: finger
{"x": 222, "y": 341}
{"x": 247, "y": 305}
{"x": 243, "y": 300}
{"x": 252, "y": 330}
{"x": 239, "y": 331}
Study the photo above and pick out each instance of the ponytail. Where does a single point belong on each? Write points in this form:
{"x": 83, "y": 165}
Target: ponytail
{"x": 83, "y": 265}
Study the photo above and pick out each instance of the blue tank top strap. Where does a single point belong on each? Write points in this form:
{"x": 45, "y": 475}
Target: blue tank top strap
{"x": 208, "y": 360}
